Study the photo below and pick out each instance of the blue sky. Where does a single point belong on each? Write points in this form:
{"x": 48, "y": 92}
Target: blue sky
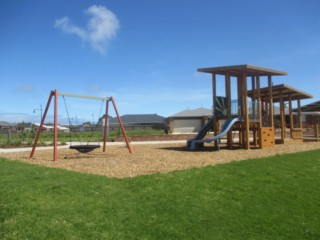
{"x": 146, "y": 53}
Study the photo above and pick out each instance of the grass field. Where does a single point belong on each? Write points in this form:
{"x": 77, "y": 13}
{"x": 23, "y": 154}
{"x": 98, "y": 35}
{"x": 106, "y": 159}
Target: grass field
{"x": 269, "y": 198}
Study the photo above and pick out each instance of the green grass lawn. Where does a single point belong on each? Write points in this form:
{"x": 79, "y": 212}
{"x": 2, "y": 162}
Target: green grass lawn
{"x": 269, "y": 198}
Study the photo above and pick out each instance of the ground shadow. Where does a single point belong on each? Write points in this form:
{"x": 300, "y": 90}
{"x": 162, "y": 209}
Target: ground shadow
{"x": 205, "y": 148}
{"x": 82, "y": 155}
{"x": 185, "y": 149}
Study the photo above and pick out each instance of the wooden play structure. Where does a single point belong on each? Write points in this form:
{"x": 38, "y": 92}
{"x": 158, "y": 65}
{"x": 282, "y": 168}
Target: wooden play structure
{"x": 285, "y": 95}
{"x": 253, "y": 104}
{"x": 81, "y": 148}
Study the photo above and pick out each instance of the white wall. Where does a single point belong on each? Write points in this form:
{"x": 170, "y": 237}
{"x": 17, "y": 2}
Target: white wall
{"x": 186, "y": 126}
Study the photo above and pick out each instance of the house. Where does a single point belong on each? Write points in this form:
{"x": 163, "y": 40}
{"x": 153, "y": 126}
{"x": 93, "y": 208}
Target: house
{"x": 24, "y": 126}
{"x": 189, "y": 121}
{"x": 310, "y": 114}
{"x": 7, "y": 126}
{"x": 50, "y": 128}
{"x": 277, "y": 116}
{"x": 139, "y": 121}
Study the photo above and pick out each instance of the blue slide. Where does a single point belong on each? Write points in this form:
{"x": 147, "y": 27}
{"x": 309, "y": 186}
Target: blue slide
{"x": 204, "y": 130}
{"x": 197, "y": 142}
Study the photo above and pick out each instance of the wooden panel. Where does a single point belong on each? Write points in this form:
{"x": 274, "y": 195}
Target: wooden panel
{"x": 296, "y": 133}
{"x": 267, "y": 137}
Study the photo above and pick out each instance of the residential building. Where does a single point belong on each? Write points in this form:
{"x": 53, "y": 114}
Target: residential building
{"x": 189, "y": 121}
{"x": 138, "y": 121}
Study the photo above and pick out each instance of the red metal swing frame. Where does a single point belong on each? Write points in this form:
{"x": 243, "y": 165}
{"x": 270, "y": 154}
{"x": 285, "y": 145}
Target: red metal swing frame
{"x": 55, "y": 94}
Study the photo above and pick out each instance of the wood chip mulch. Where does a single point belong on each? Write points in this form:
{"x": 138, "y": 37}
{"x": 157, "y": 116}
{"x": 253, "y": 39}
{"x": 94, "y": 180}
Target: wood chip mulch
{"x": 149, "y": 159}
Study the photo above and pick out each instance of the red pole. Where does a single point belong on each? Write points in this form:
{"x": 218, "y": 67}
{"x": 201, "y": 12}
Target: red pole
{"x": 41, "y": 125}
{"x": 121, "y": 125}
{"x": 106, "y": 126}
{"x": 55, "y": 128}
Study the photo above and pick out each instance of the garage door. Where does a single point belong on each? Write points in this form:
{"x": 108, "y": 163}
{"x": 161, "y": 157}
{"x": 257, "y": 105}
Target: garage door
{"x": 186, "y": 125}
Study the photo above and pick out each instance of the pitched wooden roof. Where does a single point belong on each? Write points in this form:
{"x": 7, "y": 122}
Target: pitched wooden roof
{"x": 237, "y": 70}
{"x": 283, "y": 90}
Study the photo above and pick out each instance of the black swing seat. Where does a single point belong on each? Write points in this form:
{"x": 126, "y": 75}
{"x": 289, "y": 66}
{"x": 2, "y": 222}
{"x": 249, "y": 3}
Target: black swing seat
{"x": 84, "y": 148}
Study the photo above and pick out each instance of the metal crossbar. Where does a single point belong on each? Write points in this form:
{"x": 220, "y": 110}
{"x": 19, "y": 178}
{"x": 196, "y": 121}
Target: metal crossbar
{"x": 82, "y": 96}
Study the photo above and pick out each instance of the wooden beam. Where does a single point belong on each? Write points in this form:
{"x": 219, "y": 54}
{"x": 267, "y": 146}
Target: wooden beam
{"x": 282, "y": 117}
{"x": 254, "y": 107}
{"x": 317, "y": 129}
{"x": 264, "y": 107}
{"x": 299, "y": 114}
{"x": 271, "y": 121}
{"x": 228, "y": 95}
{"x": 240, "y": 107}
{"x": 290, "y": 114}
{"x": 214, "y": 96}
{"x": 240, "y": 98}
{"x": 253, "y": 85}
{"x": 259, "y": 97}
{"x": 246, "y": 111}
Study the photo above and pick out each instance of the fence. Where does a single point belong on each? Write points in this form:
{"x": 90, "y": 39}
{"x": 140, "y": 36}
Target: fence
{"x": 7, "y": 134}
{"x": 116, "y": 127}
{"x": 236, "y": 108}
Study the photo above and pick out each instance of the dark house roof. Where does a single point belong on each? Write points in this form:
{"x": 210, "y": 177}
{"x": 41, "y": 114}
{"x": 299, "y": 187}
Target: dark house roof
{"x": 25, "y": 125}
{"x": 139, "y": 119}
{"x": 7, "y": 124}
{"x": 311, "y": 107}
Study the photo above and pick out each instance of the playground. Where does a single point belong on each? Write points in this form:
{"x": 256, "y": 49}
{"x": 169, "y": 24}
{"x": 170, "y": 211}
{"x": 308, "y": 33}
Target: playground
{"x": 117, "y": 162}
{"x": 247, "y": 110}
{"x": 260, "y": 180}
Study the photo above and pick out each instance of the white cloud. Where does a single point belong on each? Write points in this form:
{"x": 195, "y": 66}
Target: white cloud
{"x": 95, "y": 88}
{"x": 101, "y": 28}
{"x": 25, "y": 88}
{"x": 66, "y": 26}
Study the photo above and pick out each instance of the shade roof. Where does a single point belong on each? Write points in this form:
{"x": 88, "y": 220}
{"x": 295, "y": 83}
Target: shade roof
{"x": 283, "y": 90}
{"x": 237, "y": 70}
{"x": 311, "y": 107}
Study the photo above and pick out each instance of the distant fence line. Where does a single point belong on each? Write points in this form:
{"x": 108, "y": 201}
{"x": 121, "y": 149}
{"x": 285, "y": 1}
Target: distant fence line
{"x": 8, "y": 131}
{"x": 113, "y": 127}
{"x": 116, "y": 127}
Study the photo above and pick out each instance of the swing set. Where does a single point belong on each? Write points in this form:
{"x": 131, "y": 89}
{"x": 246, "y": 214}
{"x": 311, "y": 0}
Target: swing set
{"x": 82, "y": 148}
